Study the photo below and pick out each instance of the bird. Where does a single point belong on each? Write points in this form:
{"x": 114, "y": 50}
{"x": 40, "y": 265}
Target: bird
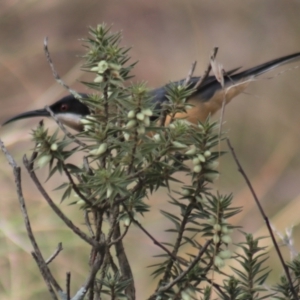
{"x": 206, "y": 100}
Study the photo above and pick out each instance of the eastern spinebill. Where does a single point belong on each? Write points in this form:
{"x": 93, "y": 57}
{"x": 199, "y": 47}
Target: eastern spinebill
{"x": 205, "y": 100}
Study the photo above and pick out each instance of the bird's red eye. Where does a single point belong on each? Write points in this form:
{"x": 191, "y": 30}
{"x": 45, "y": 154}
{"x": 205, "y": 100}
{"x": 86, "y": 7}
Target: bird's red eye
{"x": 64, "y": 107}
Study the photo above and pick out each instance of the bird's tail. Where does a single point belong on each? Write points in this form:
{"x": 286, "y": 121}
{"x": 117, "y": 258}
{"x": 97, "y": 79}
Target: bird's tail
{"x": 266, "y": 67}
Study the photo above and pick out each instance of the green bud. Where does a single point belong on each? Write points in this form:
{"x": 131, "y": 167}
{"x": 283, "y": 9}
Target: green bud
{"x": 102, "y": 148}
{"x": 196, "y": 161}
{"x": 98, "y": 79}
{"x": 225, "y": 254}
{"x": 197, "y": 169}
{"x": 185, "y": 192}
{"x": 201, "y": 157}
{"x": 126, "y": 136}
{"x": 109, "y": 192}
{"x": 140, "y": 116}
{"x": 217, "y": 227}
{"x": 226, "y": 239}
{"x": 191, "y": 151}
{"x": 224, "y": 229}
{"x": 131, "y": 114}
{"x": 44, "y": 160}
{"x": 131, "y": 124}
{"x": 213, "y": 165}
{"x": 216, "y": 238}
{"x": 179, "y": 145}
{"x": 156, "y": 137}
{"x": 219, "y": 262}
{"x": 207, "y": 153}
{"x": 141, "y": 130}
{"x": 147, "y": 121}
{"x": 54, "y": 147}
{"x": 102, "y": 66}
{"x": 147, "y": 112}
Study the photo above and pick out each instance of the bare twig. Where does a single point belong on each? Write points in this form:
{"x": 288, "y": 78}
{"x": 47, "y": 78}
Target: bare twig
{"x": 68, "y": 285}
{"x": 157, "y": 243}
{"x": 95, "y": 268}
{"x": 37, "y": 252}
{"x": 55, "y": 208}
{"x": 55, "y": 74}
{"x": 57, "y": 251}
{"x": 74, "y": 186}
{"x": 43, "y": 273}
{"x": 266, "y": 219}
{"x": 185, "y": 272}
{"x": 208, "y": 69}
{"x": 88, "y": 223}
{"x": 63, "y": 128}
{"x": 190, "y": 74}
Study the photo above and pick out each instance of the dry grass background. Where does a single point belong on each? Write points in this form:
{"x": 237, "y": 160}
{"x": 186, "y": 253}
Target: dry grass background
{"x": 167, "y": 36}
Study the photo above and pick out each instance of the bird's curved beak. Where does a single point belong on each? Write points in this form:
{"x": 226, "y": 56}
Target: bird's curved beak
{"x": 28, "y": 114}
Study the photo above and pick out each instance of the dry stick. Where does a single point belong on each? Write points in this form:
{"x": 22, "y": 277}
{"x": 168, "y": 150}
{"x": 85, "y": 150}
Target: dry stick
{"x": 57, "y": 251}
{"x": 185, "y": 272}
{"x": 63, "y": 128}
{"x": 190, "y": 74}
{"x": 37, "y": 252}
{"x": 95, "y": 268}
{"x": 157, "y": 243}
{"x": 55, "y": 74}
{"x": 124, "y": 264}
{"x": 74, "y": 186}
{"x": 208, "y": 69}
{"x": 68, "y": 285}
{"x": 55, "y": 208}
{"x": 43, "y": 273}
{"x": 241, "y": 170}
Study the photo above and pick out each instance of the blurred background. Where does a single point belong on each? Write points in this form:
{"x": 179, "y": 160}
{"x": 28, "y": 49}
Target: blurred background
{"x": 166, "y": 36}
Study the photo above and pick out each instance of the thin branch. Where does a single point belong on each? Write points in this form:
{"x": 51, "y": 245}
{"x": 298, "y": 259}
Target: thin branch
{"x": 63, "y": 128}
{"x": 52, "y": 257}
{"x": 37, "y": 252}
{"x": 190, "y": 74}
{"x": 43, "y": 273}
{"x": 119, "y": 238}
{"x": 74, "y": 186}
{"x": 55, "y": 208}
{"x": 185, "y": 272}
{"x": 82, "y": 291}
{"x": 55, "y": 74}
{"x": 68, "y": 285}
{"x": 241, "y": 170}
{"x": 208, "y": 69}
{"x": 88, "y": 224}
{"x": 157, "y": 243}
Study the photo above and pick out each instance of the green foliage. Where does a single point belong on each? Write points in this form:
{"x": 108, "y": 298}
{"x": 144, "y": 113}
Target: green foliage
{"x": 131, "y": 148}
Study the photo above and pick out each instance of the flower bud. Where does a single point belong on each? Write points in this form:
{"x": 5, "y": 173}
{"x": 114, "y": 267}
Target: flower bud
{"x": 179, "y": 145}
{"x": 207, "y": 153}
{"x": 191, "y": 151}
{"x": 140, "y": 116}
{"x": 141, "y": 130}
{"x": 54, "y": 147}
{"x": 226, "y": 239}
{"x": 147, "y": 121}
{"x": 44, "y": 160}
{"x": 131, "y": 124}
{"x": 216, "y": 238}
{"x": 225, "y": 254}
{"x": 147, "y": 112}
{"x": 197, "y": 169}
{"x": 219, "y": 262}
{"x": 201, "y": 157}
{"x": 131, "y": 114}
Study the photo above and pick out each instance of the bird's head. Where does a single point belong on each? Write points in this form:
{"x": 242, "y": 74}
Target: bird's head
{"x": 68, "y": 110}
